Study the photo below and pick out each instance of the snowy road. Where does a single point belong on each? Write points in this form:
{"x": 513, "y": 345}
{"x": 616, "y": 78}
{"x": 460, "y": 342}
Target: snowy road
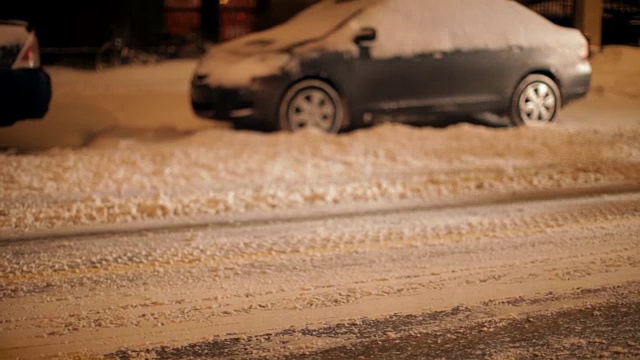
{"x": 100, "y": 295}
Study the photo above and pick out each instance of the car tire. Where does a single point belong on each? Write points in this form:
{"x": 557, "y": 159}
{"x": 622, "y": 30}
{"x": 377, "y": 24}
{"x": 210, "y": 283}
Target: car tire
{"x": 312, "y": 103}
{"x": 535, "y": 102}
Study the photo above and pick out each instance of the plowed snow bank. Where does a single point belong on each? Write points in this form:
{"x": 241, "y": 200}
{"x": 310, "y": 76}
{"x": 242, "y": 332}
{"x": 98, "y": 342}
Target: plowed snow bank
{"x": 122, "y": 177}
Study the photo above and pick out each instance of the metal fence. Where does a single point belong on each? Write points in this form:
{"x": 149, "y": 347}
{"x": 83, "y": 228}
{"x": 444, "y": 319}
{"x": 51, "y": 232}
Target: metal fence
{"x": 620, "y": 20}
{"x": 625, "y": 6}
{"x": 559, "y": 11}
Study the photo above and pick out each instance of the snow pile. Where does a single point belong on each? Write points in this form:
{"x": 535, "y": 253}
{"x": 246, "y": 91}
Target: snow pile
{"x": 617, "y": 72}
{"x": 223, "y": 172}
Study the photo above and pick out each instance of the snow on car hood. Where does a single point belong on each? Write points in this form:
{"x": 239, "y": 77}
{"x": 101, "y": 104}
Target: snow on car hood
{"x": 220, "y": 68}
{"x": 266, "y": 52}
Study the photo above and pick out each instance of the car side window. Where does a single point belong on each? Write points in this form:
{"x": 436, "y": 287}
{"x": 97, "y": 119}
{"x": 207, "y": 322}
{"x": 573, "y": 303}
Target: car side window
{"x": 406, "y": 28}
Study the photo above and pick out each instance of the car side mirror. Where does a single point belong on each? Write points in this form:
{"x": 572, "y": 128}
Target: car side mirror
{"x": 365, "y": 35}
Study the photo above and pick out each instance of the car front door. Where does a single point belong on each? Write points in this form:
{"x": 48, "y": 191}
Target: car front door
{"x": 387, "y": 83}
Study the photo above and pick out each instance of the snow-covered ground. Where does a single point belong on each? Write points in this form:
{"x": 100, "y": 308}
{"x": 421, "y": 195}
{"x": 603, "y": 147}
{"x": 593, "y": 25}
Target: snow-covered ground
{"x": 270, "y": 289}
{"x": 146, "y": 157}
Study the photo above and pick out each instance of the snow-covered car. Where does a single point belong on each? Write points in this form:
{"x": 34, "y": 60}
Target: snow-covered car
{"x": 347, "y": 63}
{"x": 25, "y": 87}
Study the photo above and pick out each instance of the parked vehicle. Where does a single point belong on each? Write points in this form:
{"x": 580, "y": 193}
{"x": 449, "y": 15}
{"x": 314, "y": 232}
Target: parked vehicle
{"x": 346, "y": 63}
{"x": 25, "y": 87}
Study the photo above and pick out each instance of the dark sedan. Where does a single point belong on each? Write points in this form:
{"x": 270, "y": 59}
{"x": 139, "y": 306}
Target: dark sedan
{"x": 348, "y": 63}
{"x": 25, "y": 88}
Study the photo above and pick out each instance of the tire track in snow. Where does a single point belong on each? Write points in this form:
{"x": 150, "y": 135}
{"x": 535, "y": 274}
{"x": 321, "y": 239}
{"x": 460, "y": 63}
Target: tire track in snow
{"x": 340, "y": 242}
{"x": 312, "y": 215}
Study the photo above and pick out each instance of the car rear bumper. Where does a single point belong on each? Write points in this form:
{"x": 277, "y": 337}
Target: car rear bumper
{"x": 24, "y": 94}
{"x": 578, "y": 82}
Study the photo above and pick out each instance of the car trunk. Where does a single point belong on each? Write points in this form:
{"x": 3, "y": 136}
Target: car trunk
{"x": 13, "y": 35}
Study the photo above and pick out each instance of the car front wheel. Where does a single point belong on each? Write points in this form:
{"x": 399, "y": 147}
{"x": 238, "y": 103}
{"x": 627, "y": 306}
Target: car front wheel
{"x": 536, "y": 101}
{"x": 312, "y": 103}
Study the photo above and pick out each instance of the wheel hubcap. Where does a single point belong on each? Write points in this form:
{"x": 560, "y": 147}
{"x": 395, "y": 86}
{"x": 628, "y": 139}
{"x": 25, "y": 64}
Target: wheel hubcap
{"x": 537, "y": 104}
{"x": 312, "y": 108}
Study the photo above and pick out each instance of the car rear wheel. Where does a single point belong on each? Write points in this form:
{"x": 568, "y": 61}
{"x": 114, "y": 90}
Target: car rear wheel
{"x": 312, "y": 103}
{"x": 536, "y": 101}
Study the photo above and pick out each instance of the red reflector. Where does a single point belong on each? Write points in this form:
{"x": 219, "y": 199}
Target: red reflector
{"x": 28, "y": 55}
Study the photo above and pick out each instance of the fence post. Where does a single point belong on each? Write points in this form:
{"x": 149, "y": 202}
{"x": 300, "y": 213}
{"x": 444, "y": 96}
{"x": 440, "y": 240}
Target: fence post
{"x": 588, "y": 18}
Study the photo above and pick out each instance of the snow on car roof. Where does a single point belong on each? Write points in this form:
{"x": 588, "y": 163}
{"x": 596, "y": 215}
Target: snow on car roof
{"x": 12, "y": 33}
{"x": 408, "y": 27}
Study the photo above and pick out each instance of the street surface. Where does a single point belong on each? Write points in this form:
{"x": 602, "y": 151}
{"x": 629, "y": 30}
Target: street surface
{"x": 302, "y": 286}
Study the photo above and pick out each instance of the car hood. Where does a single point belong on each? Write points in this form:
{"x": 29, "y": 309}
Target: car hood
{"x": 312, "y": 24}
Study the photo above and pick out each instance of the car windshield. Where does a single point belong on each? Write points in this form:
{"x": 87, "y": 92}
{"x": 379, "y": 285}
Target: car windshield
{"x": 313, "y": 23}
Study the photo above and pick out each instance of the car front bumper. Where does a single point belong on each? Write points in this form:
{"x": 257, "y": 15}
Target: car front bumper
{"x": 221, "y": 103}
{"x": 24, "y": 94}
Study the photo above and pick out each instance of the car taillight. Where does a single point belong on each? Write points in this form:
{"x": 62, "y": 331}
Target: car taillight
{"x": 29, "y": 57}
{"x": 585, "y": 50}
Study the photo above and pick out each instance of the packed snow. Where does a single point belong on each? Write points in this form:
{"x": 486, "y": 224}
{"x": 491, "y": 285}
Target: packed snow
{"x": 154, "y": 161}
